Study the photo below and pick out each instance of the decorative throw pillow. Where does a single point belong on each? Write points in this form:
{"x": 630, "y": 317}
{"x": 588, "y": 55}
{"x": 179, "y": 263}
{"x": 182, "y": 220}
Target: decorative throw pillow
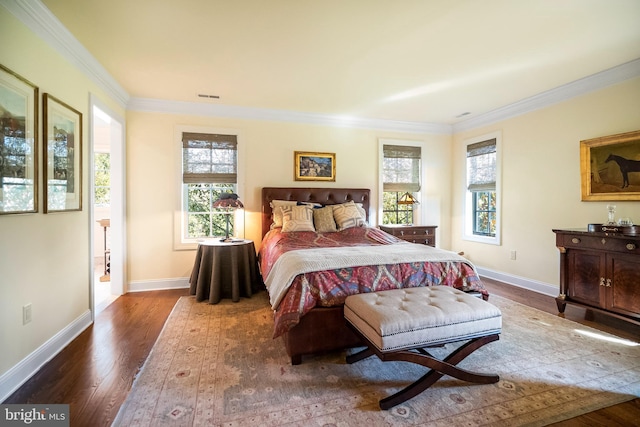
{"x": 346, "y": 216}
{"x": 276, "y": 211}
{"x": 323, "y": 220}
{"x": 297, "y": 218}
{"x": 363, "y": 213}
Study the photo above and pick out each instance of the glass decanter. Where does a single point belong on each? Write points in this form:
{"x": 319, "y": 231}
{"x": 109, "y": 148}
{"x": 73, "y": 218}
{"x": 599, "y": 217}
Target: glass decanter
{"x": 611, "y": 211}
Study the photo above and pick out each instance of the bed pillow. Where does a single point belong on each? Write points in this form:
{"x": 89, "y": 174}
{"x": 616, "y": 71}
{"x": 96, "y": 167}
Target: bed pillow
{"x": 276, "y": 211}
{"x": 363, "y": 213}
{"x": 346, "y": 216}
{"x": 312, "y": 204}
{"x": 323, "y": 220}
{"x": 297, "y": 218}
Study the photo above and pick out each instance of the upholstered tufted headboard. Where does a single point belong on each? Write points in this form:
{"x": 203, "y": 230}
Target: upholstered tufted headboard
{"x": 325, "y": 196}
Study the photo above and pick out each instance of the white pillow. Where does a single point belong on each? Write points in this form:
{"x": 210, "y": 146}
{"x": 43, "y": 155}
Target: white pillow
{"x": 347, "y": 216}
{"x": 276, "y": 212}
{"x": 360, "y": 208}
{"x": 297, "y": 218}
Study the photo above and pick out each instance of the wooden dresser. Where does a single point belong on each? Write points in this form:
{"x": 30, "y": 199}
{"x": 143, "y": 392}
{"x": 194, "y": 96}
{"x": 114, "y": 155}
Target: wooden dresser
{"x": 424, "y": 234}
{"x": 600, "y": 271}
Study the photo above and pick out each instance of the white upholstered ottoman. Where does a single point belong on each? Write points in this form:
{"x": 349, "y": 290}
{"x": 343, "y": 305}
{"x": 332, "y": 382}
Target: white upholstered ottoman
{"x": 399, "y": 324}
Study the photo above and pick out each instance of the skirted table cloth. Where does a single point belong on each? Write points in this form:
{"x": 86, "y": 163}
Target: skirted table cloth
{"x": 225, "y": 270}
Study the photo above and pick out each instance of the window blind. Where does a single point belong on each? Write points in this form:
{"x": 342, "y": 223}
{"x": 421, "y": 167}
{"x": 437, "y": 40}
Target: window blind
{"x": 209, "y": 158}
{"x": 481, "y": 166}
{"x": 401, "y": 168}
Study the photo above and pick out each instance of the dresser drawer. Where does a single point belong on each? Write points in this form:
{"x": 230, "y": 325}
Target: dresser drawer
{"x": 423, "y": 234}
{"x": 601, "y": 242}
{"x": 425, "y": 239}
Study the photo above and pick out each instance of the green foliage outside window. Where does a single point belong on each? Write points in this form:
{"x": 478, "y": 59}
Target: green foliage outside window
{"x": 202, "y": 219}
{"x": 394, "y": 213}
{"x": 484, "y": 213}
{"x": 102, "y": 179}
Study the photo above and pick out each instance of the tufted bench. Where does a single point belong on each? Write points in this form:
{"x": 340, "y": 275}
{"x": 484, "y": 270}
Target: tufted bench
{"x": 398, "y": 325}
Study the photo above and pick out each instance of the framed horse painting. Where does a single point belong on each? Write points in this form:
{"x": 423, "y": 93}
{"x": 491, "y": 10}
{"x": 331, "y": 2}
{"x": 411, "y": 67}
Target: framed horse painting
{"x": 610, "y": 167}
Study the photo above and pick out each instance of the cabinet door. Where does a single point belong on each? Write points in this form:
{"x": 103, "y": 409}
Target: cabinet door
{"x": 586, "y": 279}
{"x": 623, "y": 276}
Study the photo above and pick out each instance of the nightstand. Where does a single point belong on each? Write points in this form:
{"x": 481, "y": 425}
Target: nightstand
{"x": 424, "y": 234}
{"x": 225, "y": 270}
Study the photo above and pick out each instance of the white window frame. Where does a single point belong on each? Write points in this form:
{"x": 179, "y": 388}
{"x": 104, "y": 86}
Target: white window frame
{"x": 180, "y": 241}
{"x": 418, "y": 211}
{"x": 467, "y": 215}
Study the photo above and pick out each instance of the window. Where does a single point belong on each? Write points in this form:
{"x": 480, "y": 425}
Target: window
{"x": 400, "y": 175}
{"x": 209, "y": 167}
{"x": 102, "y": 179}
{"x": 482, "y": 191}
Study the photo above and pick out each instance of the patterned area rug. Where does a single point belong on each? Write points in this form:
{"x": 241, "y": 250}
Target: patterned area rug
{"x": 218, "y": 365}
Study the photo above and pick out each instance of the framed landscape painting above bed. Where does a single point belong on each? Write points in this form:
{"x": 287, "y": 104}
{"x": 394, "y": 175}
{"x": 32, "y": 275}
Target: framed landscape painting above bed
{"x": 310, "y": 166}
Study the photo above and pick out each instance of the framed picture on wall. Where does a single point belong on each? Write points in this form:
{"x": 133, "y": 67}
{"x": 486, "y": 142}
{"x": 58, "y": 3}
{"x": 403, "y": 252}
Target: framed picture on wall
{"x": 18, "y": 144}
{"x": 310, "y": 166}
{"x": 62, "y": 156}
{"x": 610, "y": 167}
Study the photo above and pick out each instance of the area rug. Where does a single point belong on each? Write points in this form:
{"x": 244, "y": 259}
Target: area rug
{"x": 217, "y": 365}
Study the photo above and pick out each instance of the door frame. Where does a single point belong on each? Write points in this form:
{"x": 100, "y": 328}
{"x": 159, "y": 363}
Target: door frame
{"x": 118, "y": 202}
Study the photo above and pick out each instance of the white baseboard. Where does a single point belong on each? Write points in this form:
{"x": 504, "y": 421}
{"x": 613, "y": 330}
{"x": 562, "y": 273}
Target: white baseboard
{"x": 11, "y": 380}
{"x": 522, "y": 282}
{"x": 158, "y": 284}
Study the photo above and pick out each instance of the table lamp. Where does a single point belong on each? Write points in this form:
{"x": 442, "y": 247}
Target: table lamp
{"x": 408, "y": 199}
{"x": 228, "y": 201}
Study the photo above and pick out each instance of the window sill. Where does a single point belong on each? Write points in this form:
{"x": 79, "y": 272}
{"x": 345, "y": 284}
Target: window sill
{"x": 482, "y": 239}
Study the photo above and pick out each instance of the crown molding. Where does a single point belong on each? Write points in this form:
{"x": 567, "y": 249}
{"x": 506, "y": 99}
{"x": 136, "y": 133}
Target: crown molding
{"x": 39, "y": 19}
{"x": 213, "y": 110}
{"x": 562, "y": 93}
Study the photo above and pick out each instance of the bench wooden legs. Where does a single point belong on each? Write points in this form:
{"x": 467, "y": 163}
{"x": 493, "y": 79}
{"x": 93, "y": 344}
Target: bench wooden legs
{"x": 439, "y": 368}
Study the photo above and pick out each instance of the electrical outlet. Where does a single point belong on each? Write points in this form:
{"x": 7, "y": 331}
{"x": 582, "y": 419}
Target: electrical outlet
{"x": 513, "y": 255}
{"x": 26, "y": 314}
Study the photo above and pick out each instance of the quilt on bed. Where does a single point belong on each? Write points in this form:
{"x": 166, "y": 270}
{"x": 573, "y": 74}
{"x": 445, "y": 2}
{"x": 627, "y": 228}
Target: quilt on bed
{"x": 297, "y": 295}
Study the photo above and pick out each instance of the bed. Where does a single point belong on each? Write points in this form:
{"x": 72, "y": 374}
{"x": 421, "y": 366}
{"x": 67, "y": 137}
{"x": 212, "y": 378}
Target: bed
{"x": 307, "y": 283}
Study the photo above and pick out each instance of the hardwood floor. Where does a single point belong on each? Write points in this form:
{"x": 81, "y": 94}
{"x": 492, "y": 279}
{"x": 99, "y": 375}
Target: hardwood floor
{"x": 622, "y": 415}
{"x": 95, "y": 372}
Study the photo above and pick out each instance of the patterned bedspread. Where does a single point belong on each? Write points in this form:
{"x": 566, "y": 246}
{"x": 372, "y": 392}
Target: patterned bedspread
{"x": 331, "y": 287}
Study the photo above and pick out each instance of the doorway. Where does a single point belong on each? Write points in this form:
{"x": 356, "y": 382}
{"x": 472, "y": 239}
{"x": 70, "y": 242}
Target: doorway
{"x": 107, "y": 206}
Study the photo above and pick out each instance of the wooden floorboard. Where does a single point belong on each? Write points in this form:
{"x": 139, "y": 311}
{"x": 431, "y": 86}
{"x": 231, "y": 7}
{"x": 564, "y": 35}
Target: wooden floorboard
{"x": 623, "y": 415}
{"x": 94, "y": 373}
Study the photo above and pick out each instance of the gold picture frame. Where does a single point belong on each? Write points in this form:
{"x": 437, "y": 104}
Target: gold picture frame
{"x": 62, "y": 161}
{"x": 312, "y": 166}
{"x": 18, "y": 144}
{"x": 610, "y": 167}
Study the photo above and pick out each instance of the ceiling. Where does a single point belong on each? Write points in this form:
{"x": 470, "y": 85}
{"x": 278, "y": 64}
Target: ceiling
{"x": 427, "y": 61}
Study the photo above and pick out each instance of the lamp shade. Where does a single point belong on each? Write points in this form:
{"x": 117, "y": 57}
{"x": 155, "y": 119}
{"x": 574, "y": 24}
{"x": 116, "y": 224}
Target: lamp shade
{"x": 228, "y": 200}
{"x": 408, "y": 199}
